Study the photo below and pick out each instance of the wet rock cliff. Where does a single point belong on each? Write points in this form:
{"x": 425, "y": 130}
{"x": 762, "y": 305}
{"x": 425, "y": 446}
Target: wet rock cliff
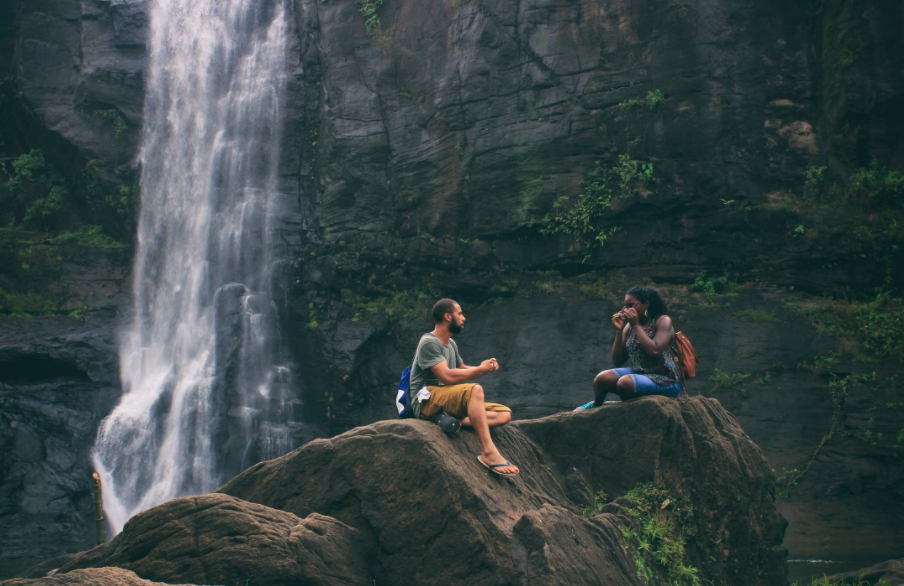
{"x": 424, "y": 154}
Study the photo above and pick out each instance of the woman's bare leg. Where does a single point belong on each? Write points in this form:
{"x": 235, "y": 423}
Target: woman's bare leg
{"x": 605, "y": 382}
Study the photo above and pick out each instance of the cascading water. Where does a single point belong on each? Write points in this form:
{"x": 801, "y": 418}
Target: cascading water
{"x": 203, "y": 396}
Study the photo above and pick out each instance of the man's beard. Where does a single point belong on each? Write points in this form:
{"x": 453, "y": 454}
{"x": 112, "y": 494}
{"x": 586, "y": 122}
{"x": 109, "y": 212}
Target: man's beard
{"x": 456, "y": 329}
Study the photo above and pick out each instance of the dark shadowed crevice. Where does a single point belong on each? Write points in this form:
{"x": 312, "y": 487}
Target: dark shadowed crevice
{"x": 35, "y": 368}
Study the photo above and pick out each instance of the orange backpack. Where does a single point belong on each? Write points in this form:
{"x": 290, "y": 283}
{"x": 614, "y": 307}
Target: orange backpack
{"x": 687, "y": 358}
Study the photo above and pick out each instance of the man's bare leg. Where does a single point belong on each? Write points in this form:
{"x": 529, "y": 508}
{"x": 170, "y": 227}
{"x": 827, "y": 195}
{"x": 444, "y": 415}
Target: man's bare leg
{"x": 494, "y": 418}
{"x": 477, "y": 418}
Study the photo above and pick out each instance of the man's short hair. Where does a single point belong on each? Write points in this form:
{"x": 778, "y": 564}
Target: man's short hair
{"x": 441, "y": 308}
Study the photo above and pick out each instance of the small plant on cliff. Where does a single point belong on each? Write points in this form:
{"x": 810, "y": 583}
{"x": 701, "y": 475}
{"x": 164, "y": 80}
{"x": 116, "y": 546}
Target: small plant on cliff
{"x": 653, "y": 100}
{"x": 599, "y": 501}
{"x": 585, "y": 218}
{"x": 659, "y": 546}
{"x": 722, "y": 381}
{"x": 370, "y": 10}
{"x": 714, "y": 287}
{"x": 114, "y": 118}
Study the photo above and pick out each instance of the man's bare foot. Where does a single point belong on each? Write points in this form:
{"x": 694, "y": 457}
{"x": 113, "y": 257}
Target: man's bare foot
{"x": 493, "y": 459}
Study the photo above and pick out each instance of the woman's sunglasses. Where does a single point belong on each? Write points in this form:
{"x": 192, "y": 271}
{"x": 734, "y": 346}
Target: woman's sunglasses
{"x": 636, "y": 303}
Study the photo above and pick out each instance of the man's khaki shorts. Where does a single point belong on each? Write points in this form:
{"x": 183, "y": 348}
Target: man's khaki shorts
{"x": 453, "y": 400}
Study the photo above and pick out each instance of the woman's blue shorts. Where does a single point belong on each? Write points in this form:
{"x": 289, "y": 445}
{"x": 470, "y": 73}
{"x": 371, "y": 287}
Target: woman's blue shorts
{"x": 644, "y": 386}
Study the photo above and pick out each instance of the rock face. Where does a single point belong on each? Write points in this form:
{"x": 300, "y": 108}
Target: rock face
{"x": 93, "y": 577}
{"x": 430, "y": 514}
{"x": 58, "y": 378}
{"x": 424, "y": 153}
{"x": 217, "y": 539}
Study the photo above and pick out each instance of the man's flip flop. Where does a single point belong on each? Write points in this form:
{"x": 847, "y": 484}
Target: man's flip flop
{"x": 493, "y": 468}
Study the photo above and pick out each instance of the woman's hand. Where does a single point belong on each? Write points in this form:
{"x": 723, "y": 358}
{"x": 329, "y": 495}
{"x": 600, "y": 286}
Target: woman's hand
{"x": 632, "y": 317}
{"x": 618, "y": 320}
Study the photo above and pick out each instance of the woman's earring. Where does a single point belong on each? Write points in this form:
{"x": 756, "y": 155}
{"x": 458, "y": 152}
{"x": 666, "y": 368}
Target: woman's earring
{"x": 646, "y": 312}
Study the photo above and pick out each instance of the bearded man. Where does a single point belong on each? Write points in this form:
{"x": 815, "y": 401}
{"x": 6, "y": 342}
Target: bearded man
{"x": 440, "y": 383}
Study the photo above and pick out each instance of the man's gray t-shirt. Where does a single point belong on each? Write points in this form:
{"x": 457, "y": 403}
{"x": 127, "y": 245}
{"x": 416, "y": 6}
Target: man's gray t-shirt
{"x": 430, "y": 352}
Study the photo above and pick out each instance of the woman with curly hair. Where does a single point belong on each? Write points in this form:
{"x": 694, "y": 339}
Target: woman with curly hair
{"x": 645, "y": 339}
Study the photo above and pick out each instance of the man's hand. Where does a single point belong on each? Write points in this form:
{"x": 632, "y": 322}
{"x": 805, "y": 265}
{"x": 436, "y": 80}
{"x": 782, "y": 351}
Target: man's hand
{"x": 632, "y": 317}
{"x": 489, "y": 366}
{"x": 618, "y": 320}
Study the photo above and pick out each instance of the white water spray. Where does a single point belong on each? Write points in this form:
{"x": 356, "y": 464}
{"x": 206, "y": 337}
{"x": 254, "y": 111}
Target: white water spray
{"x": 203, "y": 397}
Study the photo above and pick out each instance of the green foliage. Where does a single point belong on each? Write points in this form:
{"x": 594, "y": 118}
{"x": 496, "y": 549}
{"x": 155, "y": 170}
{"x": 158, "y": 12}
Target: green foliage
{"x": 386, "y": 305}
{"x": 89, "y": 236}
{"x": 585, "y": 218}
{"x": 876, "y": 186}
{"x": 816, "y": 183}
{"x": 653, "y": 100}
{"x": 659, "y": 547}
{"x": 869, "y": 330}
{"x": 599, "y": 501}
{"x": 722, "y": 381}
{"x": 114, "y": 118}
{"x": 714, "y": 287}
{"x": 123, "y": 204}
{"x": 370, "y": 10}
{"x": 26, "y": 304}
{"x": 36, "y": 194}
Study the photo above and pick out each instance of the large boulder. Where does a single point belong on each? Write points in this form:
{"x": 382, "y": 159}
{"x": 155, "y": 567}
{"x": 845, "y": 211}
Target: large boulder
{"x": 889, "y": 572}
{"x": 218, "y": 539}
{"x": 430, "y": 514}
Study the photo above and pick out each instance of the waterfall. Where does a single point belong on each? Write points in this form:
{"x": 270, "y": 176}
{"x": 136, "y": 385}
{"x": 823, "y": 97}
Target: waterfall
{"x": 203, "y": 395}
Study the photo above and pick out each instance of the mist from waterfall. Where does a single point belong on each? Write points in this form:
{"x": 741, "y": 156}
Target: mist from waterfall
{"x": 203, "y": 395}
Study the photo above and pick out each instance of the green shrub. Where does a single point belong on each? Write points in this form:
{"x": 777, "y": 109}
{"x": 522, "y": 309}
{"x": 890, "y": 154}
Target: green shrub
{"x": 659, "y": 546}
{"x": 122, "y": 205}
{"x": 876, "y": 186}
{"x": 26, "y": 304}
{"x": 36, "y": 194}
{"x": 714, "y": 287}
{"x": 599, "y": 501}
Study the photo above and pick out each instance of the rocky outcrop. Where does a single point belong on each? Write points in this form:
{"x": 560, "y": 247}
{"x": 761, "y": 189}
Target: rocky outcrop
{"x": 217, "y": 539}
{"x": 890, "y": 572}
{"x": 430, "y": 514}
{"x": 398, "y": 502}
{"x": 93, "y": 577}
